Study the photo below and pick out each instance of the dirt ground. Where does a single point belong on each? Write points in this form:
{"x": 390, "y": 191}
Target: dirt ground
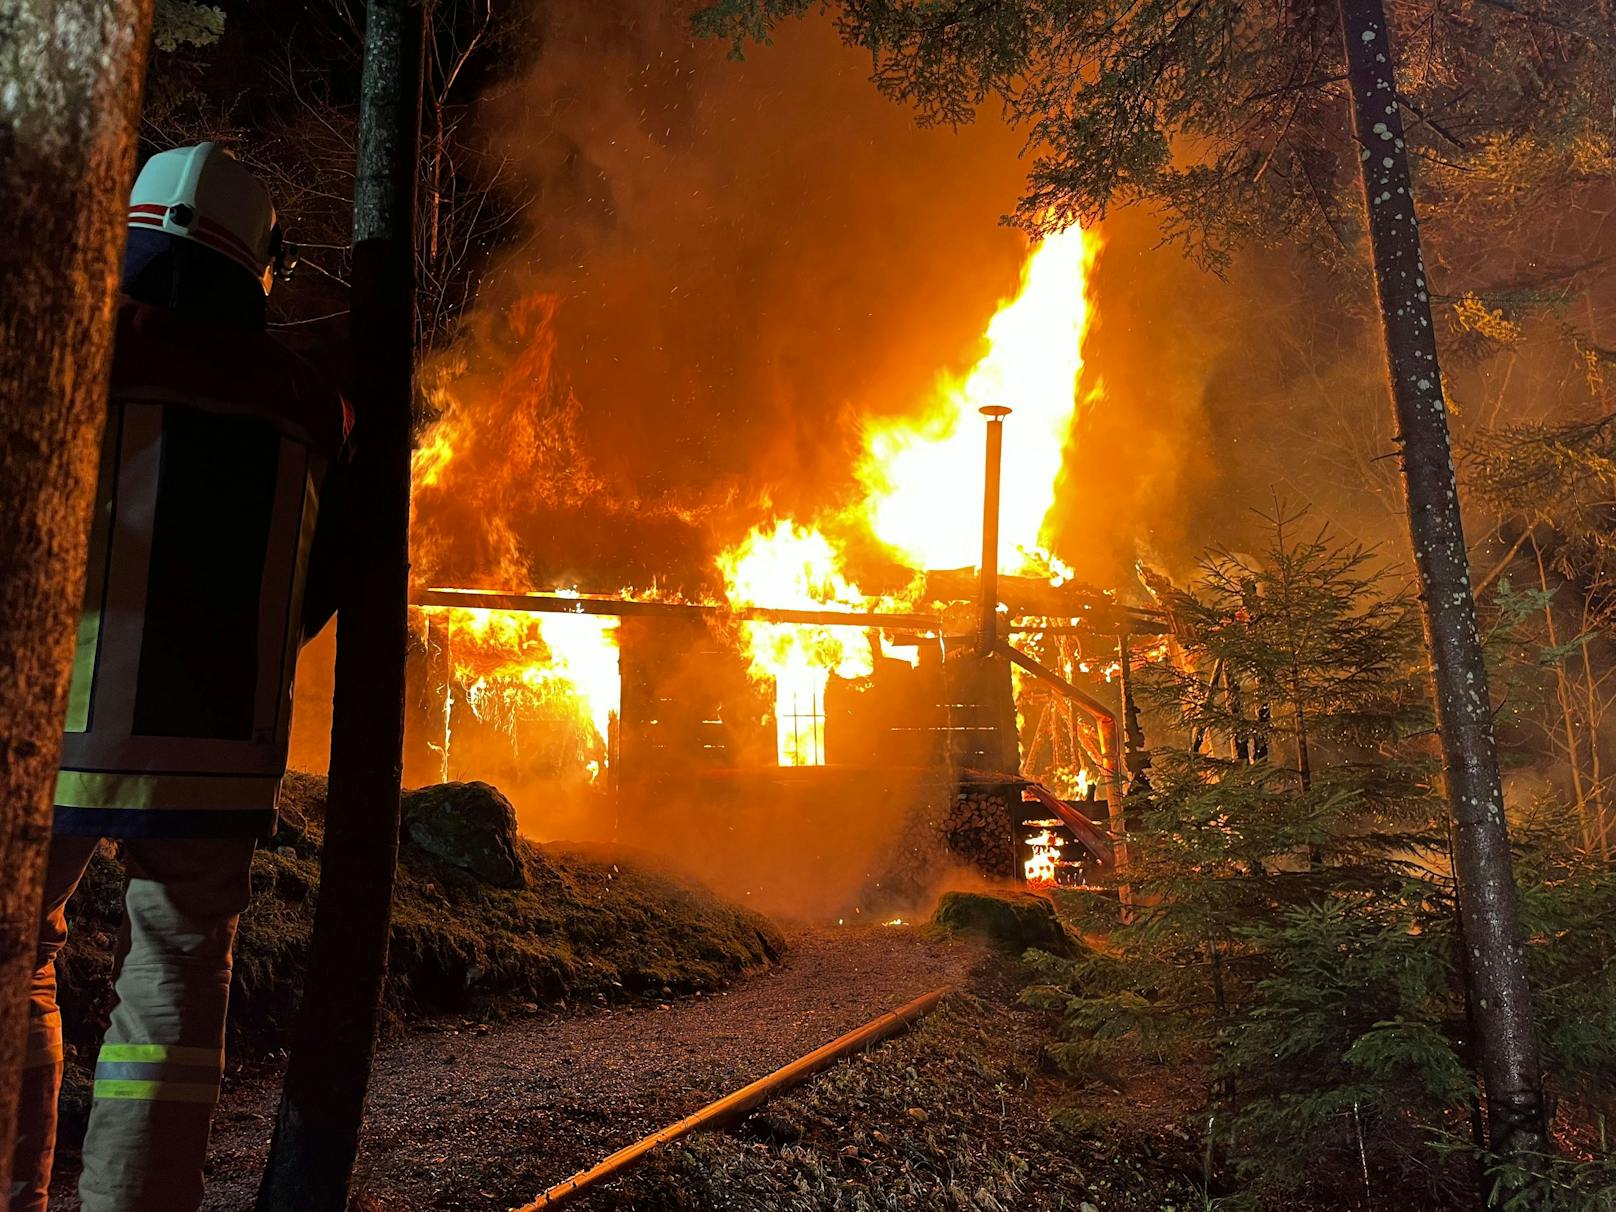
{"x": 484, "y": 1115}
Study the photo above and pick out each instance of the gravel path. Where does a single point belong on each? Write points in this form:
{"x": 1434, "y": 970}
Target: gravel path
{"x": 484, "y": 1117}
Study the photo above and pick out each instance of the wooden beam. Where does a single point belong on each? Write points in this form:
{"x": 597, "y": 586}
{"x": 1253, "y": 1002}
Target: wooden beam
{"x": 553, "y": 603}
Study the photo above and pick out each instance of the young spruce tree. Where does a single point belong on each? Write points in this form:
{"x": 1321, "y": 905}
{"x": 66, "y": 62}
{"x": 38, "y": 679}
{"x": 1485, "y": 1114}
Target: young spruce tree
{"x": 1293, "y": 927}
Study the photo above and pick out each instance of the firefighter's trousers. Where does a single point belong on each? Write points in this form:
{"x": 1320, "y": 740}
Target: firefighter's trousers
{"x": 157, "y": 1074}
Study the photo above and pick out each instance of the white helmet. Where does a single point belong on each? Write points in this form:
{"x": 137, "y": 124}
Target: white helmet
{"x": 203, "y": 193}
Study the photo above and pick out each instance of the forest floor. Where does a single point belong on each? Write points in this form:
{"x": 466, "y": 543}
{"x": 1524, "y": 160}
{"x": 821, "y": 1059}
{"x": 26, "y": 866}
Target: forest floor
{"x": 473, "y": 1114}
{"x": 961, "y": 1113}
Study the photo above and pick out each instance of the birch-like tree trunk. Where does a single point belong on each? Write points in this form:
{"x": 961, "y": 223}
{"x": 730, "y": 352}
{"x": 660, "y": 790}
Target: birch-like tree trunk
{"x": 1506, "y": 1044}
{"x": 70, "y": 79}
{"x": 322, "y": 1104}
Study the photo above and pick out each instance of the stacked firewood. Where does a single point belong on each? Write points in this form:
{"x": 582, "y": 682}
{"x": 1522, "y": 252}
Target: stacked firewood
{"x": 946, "y": 833}
{"x": 918, "y": 861}
{"x": 981, "y": 831}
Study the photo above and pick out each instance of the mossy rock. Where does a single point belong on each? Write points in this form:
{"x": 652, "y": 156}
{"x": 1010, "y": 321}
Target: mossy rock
{"x": 1016, "y": 921}
{"x": 469, "y": 826}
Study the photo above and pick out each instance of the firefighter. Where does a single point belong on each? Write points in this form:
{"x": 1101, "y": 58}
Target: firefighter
{"x": 206, "y": 572}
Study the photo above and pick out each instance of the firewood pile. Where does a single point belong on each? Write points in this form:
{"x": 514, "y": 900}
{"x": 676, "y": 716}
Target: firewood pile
{"x": 981, "y": 830}
{"x": 919, "y": 857}
{"x": 970, "y": 828}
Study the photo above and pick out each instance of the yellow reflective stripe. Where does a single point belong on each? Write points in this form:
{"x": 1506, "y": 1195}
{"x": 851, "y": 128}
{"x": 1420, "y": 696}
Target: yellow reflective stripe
{"x": 78, "y": 693}
{"x": 156, "y": 1092}
{"x": 81, "y": 688}
{"x": 96, "y": 789}
{"x": 177, "y": 1053}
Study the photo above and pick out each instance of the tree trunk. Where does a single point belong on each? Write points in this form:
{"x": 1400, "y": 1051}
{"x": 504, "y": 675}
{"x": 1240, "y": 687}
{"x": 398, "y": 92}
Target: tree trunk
{"x": 70, "y": 79}
{"x": 1135, "y": 757}
{"x": 322, "y": 1105}
{"x": 1562, "y": 685}
{"x": 1304, "y": 764}
{"x": 1483, "y": 871}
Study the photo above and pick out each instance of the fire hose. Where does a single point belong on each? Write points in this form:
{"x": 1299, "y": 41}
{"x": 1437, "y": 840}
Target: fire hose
{"x": 733, "y": 1106}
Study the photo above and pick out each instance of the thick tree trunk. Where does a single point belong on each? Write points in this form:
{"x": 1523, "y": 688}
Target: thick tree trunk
{"x": 322, "y": 1105}
{"x": 70, "y": 79}
{"x": 1483, "y": 871}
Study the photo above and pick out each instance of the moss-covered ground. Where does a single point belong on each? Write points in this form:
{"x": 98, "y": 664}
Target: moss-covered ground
{"x": 594, "y": 926}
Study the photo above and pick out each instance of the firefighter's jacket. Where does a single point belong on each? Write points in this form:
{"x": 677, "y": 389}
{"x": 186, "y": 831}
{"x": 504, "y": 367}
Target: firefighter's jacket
{"x": 198, "y": 593}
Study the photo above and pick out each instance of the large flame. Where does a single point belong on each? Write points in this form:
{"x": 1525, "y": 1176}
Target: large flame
{"x": 789, "y": 567}
{"x": 511, "y": 665}
{"x": 922, "y": 478}
{"x": 914, "y": 472}
{"x": 919, "y": 473}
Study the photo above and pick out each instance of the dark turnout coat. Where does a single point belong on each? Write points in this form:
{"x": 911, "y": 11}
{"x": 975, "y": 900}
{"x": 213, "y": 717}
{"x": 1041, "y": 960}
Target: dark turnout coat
{"x": 209, "y": 565}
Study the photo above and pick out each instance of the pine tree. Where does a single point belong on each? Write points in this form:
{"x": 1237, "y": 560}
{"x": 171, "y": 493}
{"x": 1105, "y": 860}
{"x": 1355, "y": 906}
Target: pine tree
{"x": 1293, "y": 925}
{"x": 1296, "y": 935}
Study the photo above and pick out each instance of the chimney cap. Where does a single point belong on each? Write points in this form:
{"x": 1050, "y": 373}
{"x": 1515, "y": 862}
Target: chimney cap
{"x": 994, "y": 412}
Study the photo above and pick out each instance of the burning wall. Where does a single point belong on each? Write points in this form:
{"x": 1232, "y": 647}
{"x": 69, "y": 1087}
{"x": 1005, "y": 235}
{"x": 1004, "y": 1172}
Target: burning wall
{"x": 737, "y": 359}
{"x": 918, "y": 509}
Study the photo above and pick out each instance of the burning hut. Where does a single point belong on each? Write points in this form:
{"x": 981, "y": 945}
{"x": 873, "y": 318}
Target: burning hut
{"x": 954, "y": 716}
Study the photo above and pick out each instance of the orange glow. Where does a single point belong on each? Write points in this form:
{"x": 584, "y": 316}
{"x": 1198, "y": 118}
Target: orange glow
{"x": 789, "y": 567}
{"x": 1048, "y": 852}
{"x": 511, "y": 665}
{"x": 924, "y": 476}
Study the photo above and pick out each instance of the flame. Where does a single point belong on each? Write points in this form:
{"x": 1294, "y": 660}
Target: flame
{"x": 792, "y": 567}
{"x": 510, "y": 665}
{"x": 919, "y": 476}
{"x": 1047, "y": 858}
{"x": 443, "y": 440}
{"x": 431, "y": 458}
{"x": 915, "y": 471}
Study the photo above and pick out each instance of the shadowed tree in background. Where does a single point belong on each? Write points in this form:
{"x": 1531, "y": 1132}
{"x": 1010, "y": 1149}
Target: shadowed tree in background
{"x": 281, "y": 90}
{"x": 1554, "y": 483}
{"x": 70, "y": 82}
{"x": 322, "y": 1103}
{"x": 1231, "y": 120}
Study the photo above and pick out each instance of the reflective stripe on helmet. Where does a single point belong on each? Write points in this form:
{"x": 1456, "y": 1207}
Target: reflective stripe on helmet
{"x": 119, "y": 789}
{"x": 204, "y": 194}
{"x": 207, "y": 229}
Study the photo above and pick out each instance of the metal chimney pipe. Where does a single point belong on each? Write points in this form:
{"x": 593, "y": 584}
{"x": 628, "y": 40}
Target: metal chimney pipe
{"x": 988, "y": 585}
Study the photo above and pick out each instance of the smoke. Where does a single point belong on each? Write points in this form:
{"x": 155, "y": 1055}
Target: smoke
{"x": 724, "y": 267}
{"x": 727, "y": 266}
